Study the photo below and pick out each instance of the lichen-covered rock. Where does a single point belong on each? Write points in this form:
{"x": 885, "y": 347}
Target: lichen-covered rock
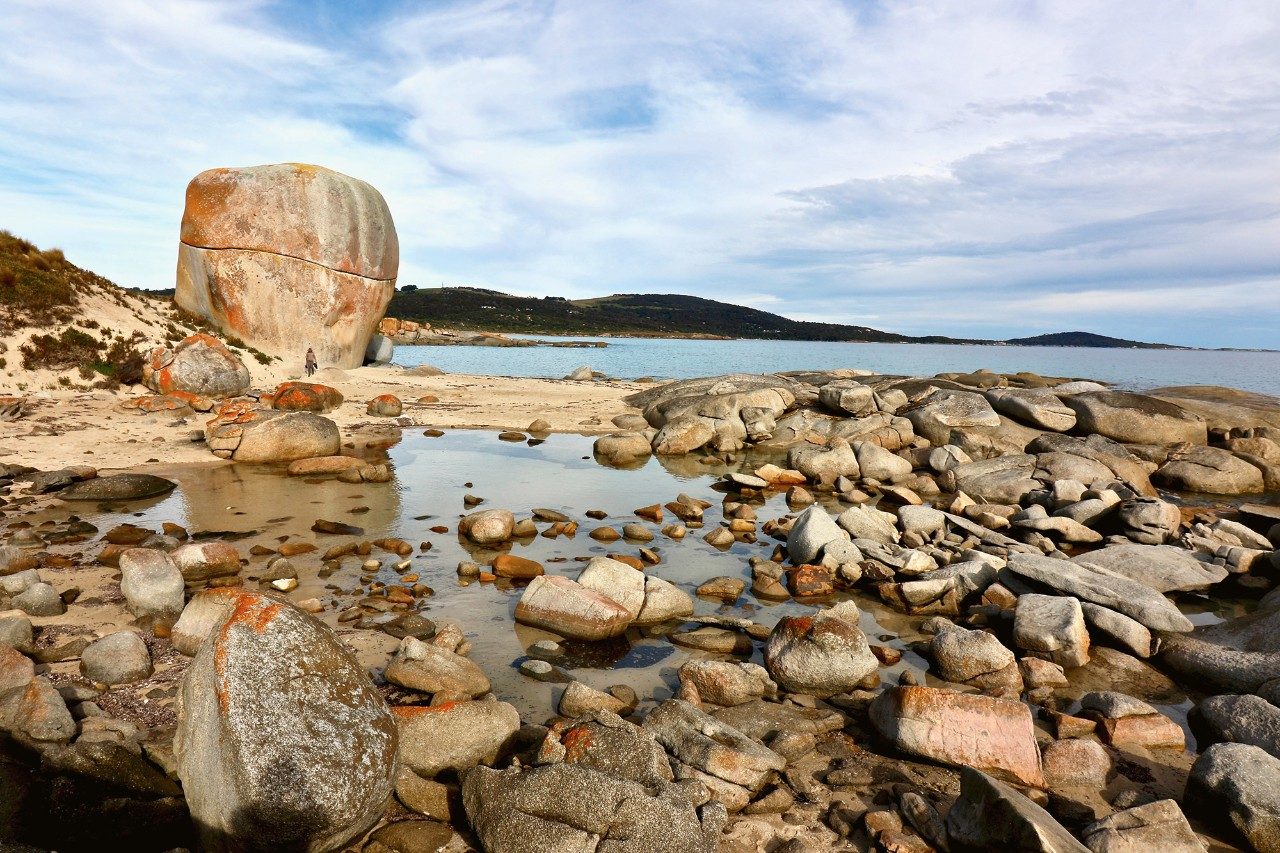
{"x": 288, "y": 256}
{"x": 454, "y": 735}
{"x": 199, "y": 364}
{"x": 304, "y": 397}
{"x": 282, "y": 740}
{"x": 385, "y": 406}
{"x": 821, "y": 655}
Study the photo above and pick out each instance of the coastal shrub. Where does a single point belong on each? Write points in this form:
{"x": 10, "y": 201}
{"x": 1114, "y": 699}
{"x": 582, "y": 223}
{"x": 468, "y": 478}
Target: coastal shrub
{"x": 38, "y": 288}
{"x": 121, "y": 365}
{"x": 70, "y": 349}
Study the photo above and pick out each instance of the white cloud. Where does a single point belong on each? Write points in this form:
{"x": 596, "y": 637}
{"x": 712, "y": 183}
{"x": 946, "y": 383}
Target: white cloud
{"x": 986, "y": 168}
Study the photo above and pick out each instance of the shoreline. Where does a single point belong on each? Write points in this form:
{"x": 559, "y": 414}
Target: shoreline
{"x": 67, "y": 428}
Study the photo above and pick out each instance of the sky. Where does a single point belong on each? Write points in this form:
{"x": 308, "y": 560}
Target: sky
{"x": 975, "y": 168}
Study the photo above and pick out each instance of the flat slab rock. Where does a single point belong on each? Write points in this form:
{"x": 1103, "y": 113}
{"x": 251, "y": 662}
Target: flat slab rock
{"x": 1092, "y": 583}
{"x": 1164, "y": 568}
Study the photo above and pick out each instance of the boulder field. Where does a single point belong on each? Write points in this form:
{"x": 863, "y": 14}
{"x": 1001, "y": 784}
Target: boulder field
{"x": 955, "y": 613}
{"x": 286, "y": 257}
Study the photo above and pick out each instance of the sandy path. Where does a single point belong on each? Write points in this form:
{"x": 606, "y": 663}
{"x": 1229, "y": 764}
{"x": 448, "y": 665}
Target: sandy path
{"x": 68, "y": 428}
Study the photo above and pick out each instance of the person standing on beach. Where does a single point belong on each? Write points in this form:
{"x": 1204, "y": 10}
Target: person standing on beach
{"x": 311, "y": 362}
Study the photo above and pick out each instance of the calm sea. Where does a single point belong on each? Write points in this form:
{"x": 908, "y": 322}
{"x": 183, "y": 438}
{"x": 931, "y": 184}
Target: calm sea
{"x": 629, "y": 358}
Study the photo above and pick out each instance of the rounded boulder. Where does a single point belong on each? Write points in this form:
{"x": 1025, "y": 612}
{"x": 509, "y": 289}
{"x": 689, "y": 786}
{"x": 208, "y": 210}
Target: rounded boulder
{"x": 282, "y": 741}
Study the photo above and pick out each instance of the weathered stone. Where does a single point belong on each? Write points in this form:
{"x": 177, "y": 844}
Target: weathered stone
{"x": 304, "y": 397}
{"x": 287, "y": 257}
{"x": 199, "y": 364}
{"x": 820, "y": 655}
{"x": 1135, "y": 418}
{"x": 430, "y": 668}
{"x": 711, "y": 746}
{"x": 152, "y": 585}
{"x": 1239, "y": 785}
{"x": 252, "y": 783}
{"x": 1154, "y": 826}
{"x": 488, "y": 526}
{"x": 571, "y": 610}
{"x": 1135, "y": 600}
{"x": 937, "y": 415}
{"x": 572, "y": 809}
{"x": 723, "y": 682}
{"x": 454, "y": 736}
{"x": 203, "y": 561}
{"x": 118, "y": 487}
{"x": 964, "y": 730}
{"x": 1238, "y": 655}
{"x": 119, "y": 658}
{"x": 990, "y": 815}
{"x": 1052, "y": 627}
{"x": 812, "y": 531}
{"x": 1242, "y": 719}
{"x": 616, "y": 581}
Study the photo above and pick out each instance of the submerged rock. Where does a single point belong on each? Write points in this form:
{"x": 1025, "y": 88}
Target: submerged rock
{"x": 118, "y": 487}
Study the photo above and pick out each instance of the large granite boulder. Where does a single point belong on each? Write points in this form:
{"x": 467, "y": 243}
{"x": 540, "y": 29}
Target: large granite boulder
{"x": 283, "y": 743}
{"x": 1136, "y": 418}
{"x": 1038, "y": 407}
{"x": 1211, "y": 470}
{"x": 286, "y": 257}
{"x": 251, "y": 434}
{"x": 937, "y": 415}
{"x": 199, "y": 364}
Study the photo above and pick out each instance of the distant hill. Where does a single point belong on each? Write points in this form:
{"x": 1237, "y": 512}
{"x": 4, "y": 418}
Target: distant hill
{"x": 659, "y": 314}
{"x": 1082, "y": 339}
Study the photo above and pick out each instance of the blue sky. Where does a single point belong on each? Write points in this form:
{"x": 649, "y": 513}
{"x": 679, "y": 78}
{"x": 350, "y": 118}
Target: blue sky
{"x": 973, "y": 168}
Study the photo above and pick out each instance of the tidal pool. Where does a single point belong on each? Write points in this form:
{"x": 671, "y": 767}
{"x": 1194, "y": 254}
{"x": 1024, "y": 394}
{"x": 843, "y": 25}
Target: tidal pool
{"x": 259, "y": 505}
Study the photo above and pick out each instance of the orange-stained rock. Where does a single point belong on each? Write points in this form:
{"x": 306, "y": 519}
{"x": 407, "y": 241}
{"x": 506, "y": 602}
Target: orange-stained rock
{"x": 511, "y": 566}
{"x": 245, "y": 432}
{"x": 385, "y": 406}
{"x": 996, "y": 736}
{"x": 156, "y": 403}
{"x": 287, "y": 257}
{"x": 200, "y": 366}
{"x": 388, "y": 326}
{"x": 297, "y": 210}
{"x": 304, "y": 397}
{"x": 283, "y": 743}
